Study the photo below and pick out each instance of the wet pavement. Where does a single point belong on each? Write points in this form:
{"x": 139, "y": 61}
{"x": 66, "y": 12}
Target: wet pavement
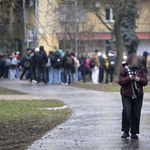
{"x": 95, "y": 123}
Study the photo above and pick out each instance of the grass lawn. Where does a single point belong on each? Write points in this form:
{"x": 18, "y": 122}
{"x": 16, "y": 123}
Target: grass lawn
{"x": 21, "y": 122}
{"x": 103, "y": 87}
{"x": 4, "y": 91}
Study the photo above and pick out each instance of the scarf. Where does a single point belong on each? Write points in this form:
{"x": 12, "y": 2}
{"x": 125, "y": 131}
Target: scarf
{"x": 134, "y": 84}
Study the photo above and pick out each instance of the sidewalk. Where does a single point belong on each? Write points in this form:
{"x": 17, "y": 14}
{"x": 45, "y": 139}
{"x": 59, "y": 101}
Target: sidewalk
{"x": 95, "y": 123}
{"x": 21, "y": 97}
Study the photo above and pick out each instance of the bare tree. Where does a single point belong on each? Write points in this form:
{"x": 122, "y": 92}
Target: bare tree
{"x": 63, "y": 21}
{"x": 120, "y": 8}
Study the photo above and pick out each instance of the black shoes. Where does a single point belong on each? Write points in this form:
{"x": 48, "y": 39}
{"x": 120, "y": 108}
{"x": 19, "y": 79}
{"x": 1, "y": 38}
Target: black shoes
{"x": 134, "y": 136}
{"x": 125, "y": 135}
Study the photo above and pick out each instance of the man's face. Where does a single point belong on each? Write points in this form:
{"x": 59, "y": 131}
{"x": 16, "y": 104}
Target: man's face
{"x": 29, "y": 51}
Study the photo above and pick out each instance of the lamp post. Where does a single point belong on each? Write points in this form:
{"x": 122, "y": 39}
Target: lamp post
{"x": 76, "y": 38}
{"x": 36, "y": 25}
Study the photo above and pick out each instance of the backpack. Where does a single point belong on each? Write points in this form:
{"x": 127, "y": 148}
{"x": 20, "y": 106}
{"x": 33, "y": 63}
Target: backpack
{"x": 7, "y": 62}
{"x": 40, "y": 57}
{"x": 112, "y": 62}
{"x": 92, "y": 63}
{"x": 14, "y": 61}
{"x": 79, "y": 76}
{"x": 86, "y": 63}
{"x": 58, "y": 61}
{"x": 69, "y": 61}
{"x": 76, "y": 61}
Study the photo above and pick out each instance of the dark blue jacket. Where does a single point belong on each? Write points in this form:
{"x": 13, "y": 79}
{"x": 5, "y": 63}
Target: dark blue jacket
{"x": 102, "y": 61}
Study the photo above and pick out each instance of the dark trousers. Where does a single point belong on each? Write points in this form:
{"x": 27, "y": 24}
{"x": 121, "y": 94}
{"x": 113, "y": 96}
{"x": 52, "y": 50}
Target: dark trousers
{"x": 24, "y": 71}
{"x": 41, "y": 72}
{"x": 111, "y": 72}
{"x": 6, "y": 69}
{"x": 62, "y": 77}
{"x": 101, "y": 75}
{"x": 1, "y": 71}
{"x": 107, "y": 75}
{"x": 85, "y": 73}
{"x": 67, "y": 72}
{"x": 34, "y": 73}
{"x": 88, "y": 71}
{"x": 131, "y": 114}
{"x": 47, "y": 74}
{"x": 83, "y": 76}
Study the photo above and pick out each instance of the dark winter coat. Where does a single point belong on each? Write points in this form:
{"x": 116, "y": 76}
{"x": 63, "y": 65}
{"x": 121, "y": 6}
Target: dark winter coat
{"x": 33, "y": 60}
{"x": 1, "y": 60}
{"x": 64, "y": 62}
{"x": 125, "y": 81}
{"x": 144, "y": 61}
{"x": 27, "y": 60}
{"x": 102, "y": 62}
{"x": 44, "y": 59}
{"x": 82, "y": 67}
{"x": 57, "y": 56}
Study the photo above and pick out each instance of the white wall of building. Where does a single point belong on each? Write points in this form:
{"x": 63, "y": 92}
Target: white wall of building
{"x": 144, "y": 46}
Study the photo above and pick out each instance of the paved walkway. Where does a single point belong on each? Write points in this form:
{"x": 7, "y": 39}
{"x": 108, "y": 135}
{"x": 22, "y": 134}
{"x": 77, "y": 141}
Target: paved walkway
{"x": 95, "y": 122}
{"x": 21, "y": 97}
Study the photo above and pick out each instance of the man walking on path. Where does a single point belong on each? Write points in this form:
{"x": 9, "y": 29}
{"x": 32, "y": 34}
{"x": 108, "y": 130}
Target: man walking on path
{"x": 27, "y": 64}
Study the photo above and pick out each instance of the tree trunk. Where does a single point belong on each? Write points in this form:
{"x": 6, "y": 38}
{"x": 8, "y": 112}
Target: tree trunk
{"x": 120, "y": 49}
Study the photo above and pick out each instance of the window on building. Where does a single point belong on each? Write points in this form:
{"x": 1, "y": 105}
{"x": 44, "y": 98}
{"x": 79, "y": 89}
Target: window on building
{"x": 109, "y": 13}
{"x": 67, "y": 13}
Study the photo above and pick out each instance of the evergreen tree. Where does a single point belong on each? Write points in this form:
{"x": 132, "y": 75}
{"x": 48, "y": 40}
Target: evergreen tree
{"x": 128, "y": 24}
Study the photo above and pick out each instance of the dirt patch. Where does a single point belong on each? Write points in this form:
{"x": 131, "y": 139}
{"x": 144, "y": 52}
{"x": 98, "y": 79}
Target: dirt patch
{"x": 22, "y": 122}
{"x": 18, "y": 135}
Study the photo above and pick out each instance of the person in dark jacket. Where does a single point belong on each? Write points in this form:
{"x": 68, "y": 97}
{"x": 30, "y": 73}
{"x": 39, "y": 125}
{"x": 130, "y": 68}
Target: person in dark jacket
{"x": 27, "y": 64}
{"x": 112, "y": 61}
{"x": 42, "y": 60}
{"x": 57, "y": 67}
{"x": 101, "y": 68}
{"x": 2, "y": 62}
{"x": 132, "y": 78}
{"x": 144, "y": 61}
{"x": 67, "y": 63}
{"x": 73, "y": 70}
{"x": 83, "y": 68}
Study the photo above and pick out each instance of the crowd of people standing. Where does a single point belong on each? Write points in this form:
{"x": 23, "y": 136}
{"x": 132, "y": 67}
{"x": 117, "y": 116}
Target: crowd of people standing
{"x": 57, "y": 67}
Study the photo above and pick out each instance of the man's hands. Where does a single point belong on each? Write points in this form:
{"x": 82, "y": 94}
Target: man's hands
{"x": 133, "y": 77}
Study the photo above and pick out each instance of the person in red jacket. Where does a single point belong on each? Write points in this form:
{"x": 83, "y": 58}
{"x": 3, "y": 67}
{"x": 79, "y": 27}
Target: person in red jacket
{"x": 132, "y": 78}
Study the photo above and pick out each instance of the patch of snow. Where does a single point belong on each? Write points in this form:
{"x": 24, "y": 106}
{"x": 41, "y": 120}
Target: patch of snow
{"x": 55, "y": 108}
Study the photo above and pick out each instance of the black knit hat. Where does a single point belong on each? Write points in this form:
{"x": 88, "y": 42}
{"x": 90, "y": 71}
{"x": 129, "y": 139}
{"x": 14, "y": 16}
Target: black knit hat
{"x": 96, "y": 51}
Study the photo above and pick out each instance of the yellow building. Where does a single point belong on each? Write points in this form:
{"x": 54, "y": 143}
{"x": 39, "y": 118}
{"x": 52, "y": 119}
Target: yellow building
{"x": 20, "y": 24}
{"x": 56, "y": 25}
